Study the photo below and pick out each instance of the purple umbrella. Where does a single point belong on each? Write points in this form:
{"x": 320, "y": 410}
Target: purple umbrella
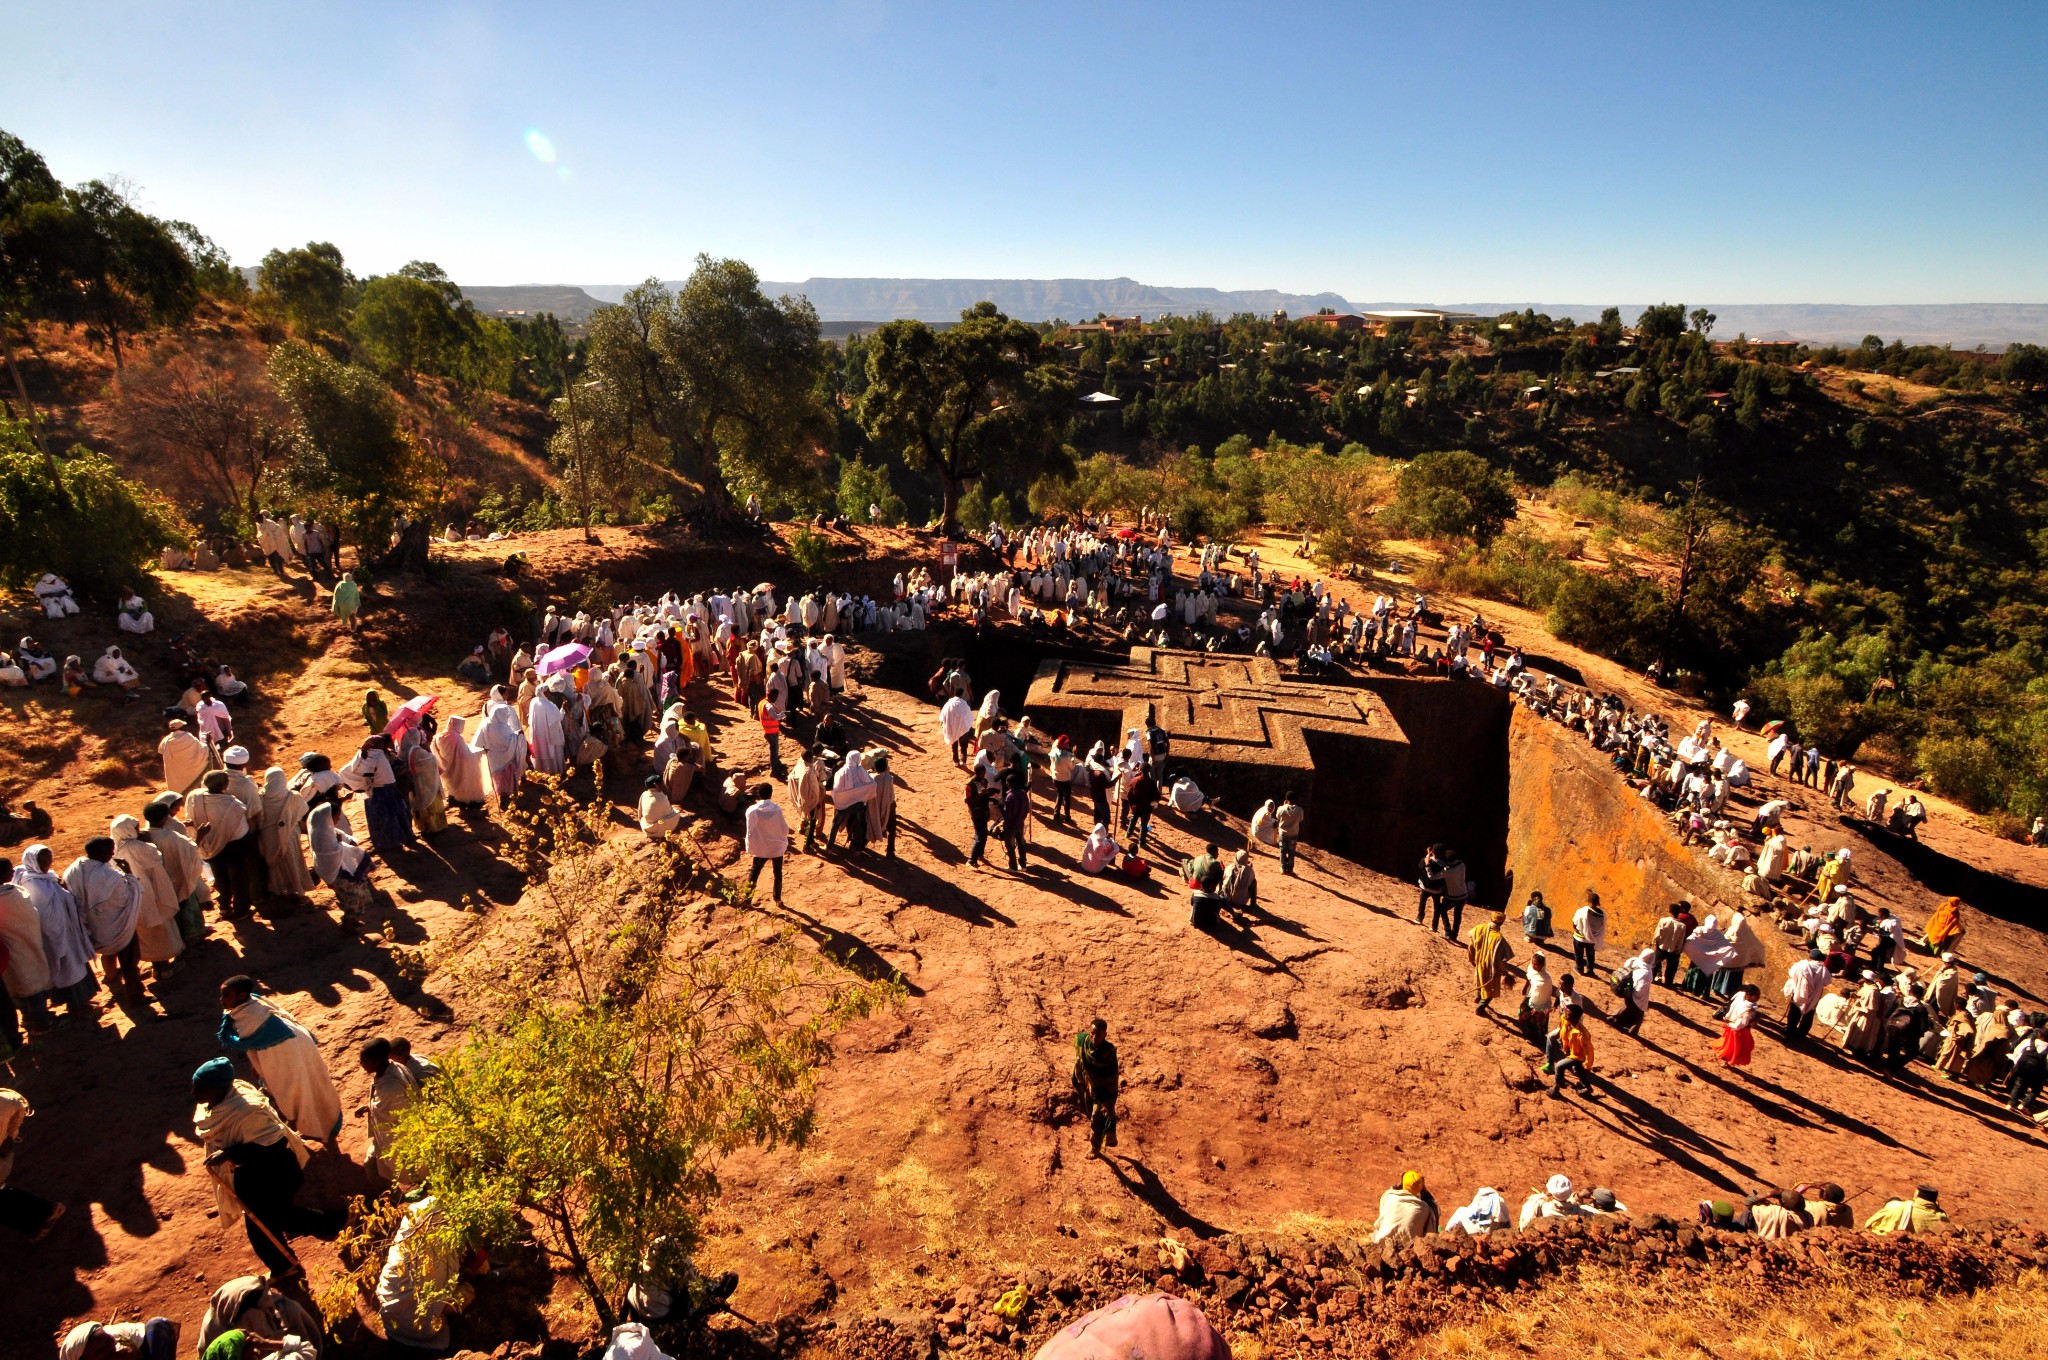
{"x": 566, "y": 657}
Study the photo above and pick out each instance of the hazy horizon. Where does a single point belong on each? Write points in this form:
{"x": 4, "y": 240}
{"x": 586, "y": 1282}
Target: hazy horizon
{"x": 1819, "y": 155}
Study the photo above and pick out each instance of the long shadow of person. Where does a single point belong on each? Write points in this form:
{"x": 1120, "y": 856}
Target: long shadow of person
{"x": 1144, "y": 1184}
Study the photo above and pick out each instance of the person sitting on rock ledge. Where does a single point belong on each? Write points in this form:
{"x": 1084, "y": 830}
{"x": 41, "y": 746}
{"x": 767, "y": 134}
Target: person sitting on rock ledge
{"x": 1917, "y": 1214}
{"x": 1554, "y": 1200}
{"x": 1407, "y": 1210}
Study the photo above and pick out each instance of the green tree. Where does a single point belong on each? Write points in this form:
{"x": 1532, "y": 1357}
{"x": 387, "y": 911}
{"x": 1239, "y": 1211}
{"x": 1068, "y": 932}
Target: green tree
{"x": 1616, "y": 615}
{"x": 596, "y": 473}
{"x": 347, "y": 443}
{"x": 862, "y": 484}
{"x": 1610, "y": 326}
{"x": 98, "y": 261}
{"x": 810, "y": 552}
{"x": 209, "y": 424}
{"x": 1662, "y": 322}
{"x": 413, "y": 322}
{"x": 76, "y": 516}
{"x": 982, "y": 399}
{"x": 31, "y": 223}
{"x": 1455, "y": 494}
{"x": 310, "y": 285}
{"x": 613, "y": 1072}
{"x": 213, "y": 273}
{"x": 718, "y": 381}
{"x": 2024, "y": 365}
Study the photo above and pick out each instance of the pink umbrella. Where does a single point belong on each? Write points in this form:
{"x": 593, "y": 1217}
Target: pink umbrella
{"x": 566, "y": 657}
{"x": 409, "y": 714}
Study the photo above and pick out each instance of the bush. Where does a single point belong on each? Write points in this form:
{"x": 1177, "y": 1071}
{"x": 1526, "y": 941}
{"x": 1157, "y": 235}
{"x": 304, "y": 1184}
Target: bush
{"x": 862, "y": 485}
{"x": 81, "y": 519}
{"x": 810, "y": 552}
{"x": 1454, "y": 495}
{"x": 611, "y": 1071}
{"x": 1519, "y": 568}
{"x": 1617, "y": 615}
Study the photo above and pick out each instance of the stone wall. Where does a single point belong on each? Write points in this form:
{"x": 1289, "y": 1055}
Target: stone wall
{"x": 1574, "y": 824}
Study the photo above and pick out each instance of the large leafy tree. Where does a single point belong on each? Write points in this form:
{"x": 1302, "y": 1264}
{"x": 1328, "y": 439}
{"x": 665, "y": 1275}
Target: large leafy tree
{"x": 982, "y": 399}
{"x": 415, "y": 321}
{"x": 88, "y": 256}
{"x": 310, "y": 285}
{"x": 111, "y": 267}
{"x": 31, "y": 206}
{"x": 1455, "y": 495}
{"x": 208, "y": 422}
{"x": 716, "y": 380}
{"x": 347, "y": 442}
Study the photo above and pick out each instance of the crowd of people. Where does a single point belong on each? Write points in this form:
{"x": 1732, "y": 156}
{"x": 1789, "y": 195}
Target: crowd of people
{"x": 634, "y": 683}
{"x": 1408, "y": 1211}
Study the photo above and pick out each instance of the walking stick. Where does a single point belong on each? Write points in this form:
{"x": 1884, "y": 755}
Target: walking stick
{"x": 227, "y": 1188}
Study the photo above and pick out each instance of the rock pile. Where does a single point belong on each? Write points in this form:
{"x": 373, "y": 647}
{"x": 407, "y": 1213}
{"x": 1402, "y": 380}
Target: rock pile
{"x": 1341, "y": 1296}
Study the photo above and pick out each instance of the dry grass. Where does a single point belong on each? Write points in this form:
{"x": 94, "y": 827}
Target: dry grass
{"x": 1604, "y": 1315}
{"x": 110, "y": 773}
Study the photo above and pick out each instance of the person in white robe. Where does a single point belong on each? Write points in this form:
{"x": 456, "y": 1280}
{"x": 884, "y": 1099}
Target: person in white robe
{"x": 1099, "y": 852}
{"x": 418, "y": 1265}
{"x": 182, "y": 861}
{"x": 28, "y": 971}
{"x": 463, "y": 766}
{"x": 956, "y": 724}
{"x": 156, "y": 919}
{"x": 283, "y": 816}
{"x": 1265, "y": 826}
{"x": 67, "y": 948}
{"x": 851, "y": 787}
{"x": 285, "y": 1057}
{"x": 503, "y": 743}
{"x": 111, "y": 668}
{"x": 336, "y": 856}
{"x": 658, "y": 816}
{"x": 31, "y": 657}
{"x": 135, "y": 616}
{"x": 392, "y": 1087}
{"x": 263, "y": 1159}
{"x": 1486, "y": 1212}
{"x": 110, "y": 901}
{"x": 545, "y": 735}
{"x": 185, "y": 756}
{"x": 53, "y": 593}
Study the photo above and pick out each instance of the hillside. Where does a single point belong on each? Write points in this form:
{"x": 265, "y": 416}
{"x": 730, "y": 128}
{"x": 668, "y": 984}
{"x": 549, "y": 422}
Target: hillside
{"x": 1964, "y": 325}
{"x": 192, "y": 411}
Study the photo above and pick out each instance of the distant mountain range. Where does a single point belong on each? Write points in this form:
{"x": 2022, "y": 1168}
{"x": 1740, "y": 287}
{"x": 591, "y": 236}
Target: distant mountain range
{"x": 848, "y": 302}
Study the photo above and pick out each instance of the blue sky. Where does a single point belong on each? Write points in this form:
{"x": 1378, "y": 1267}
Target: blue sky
{"x": 1739, "y": 153}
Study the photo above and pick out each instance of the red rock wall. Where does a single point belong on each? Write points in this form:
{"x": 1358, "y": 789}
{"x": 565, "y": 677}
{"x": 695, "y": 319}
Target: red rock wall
{"x": 1573, "y": 824}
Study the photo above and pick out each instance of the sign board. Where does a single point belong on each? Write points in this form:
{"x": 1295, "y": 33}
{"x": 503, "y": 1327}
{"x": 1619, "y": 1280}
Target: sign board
{"x": 949, "y": 553}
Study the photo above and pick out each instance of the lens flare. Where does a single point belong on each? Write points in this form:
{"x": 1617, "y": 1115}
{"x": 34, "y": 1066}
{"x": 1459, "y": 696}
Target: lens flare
{"x": 542, "y": 148}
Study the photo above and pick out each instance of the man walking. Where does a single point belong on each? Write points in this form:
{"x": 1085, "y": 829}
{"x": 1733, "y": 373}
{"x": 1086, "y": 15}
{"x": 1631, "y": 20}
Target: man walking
{"x": 1288, "y": 820}
{"x": 768, "y": 835}
{"x": 1589, "y": 932}
{"x": 1096, "y": 1081}
{"x": 1449, "y": 916}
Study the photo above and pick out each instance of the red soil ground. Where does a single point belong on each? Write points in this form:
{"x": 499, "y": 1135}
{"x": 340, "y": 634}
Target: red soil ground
{"x": 1279, "y": 1075}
